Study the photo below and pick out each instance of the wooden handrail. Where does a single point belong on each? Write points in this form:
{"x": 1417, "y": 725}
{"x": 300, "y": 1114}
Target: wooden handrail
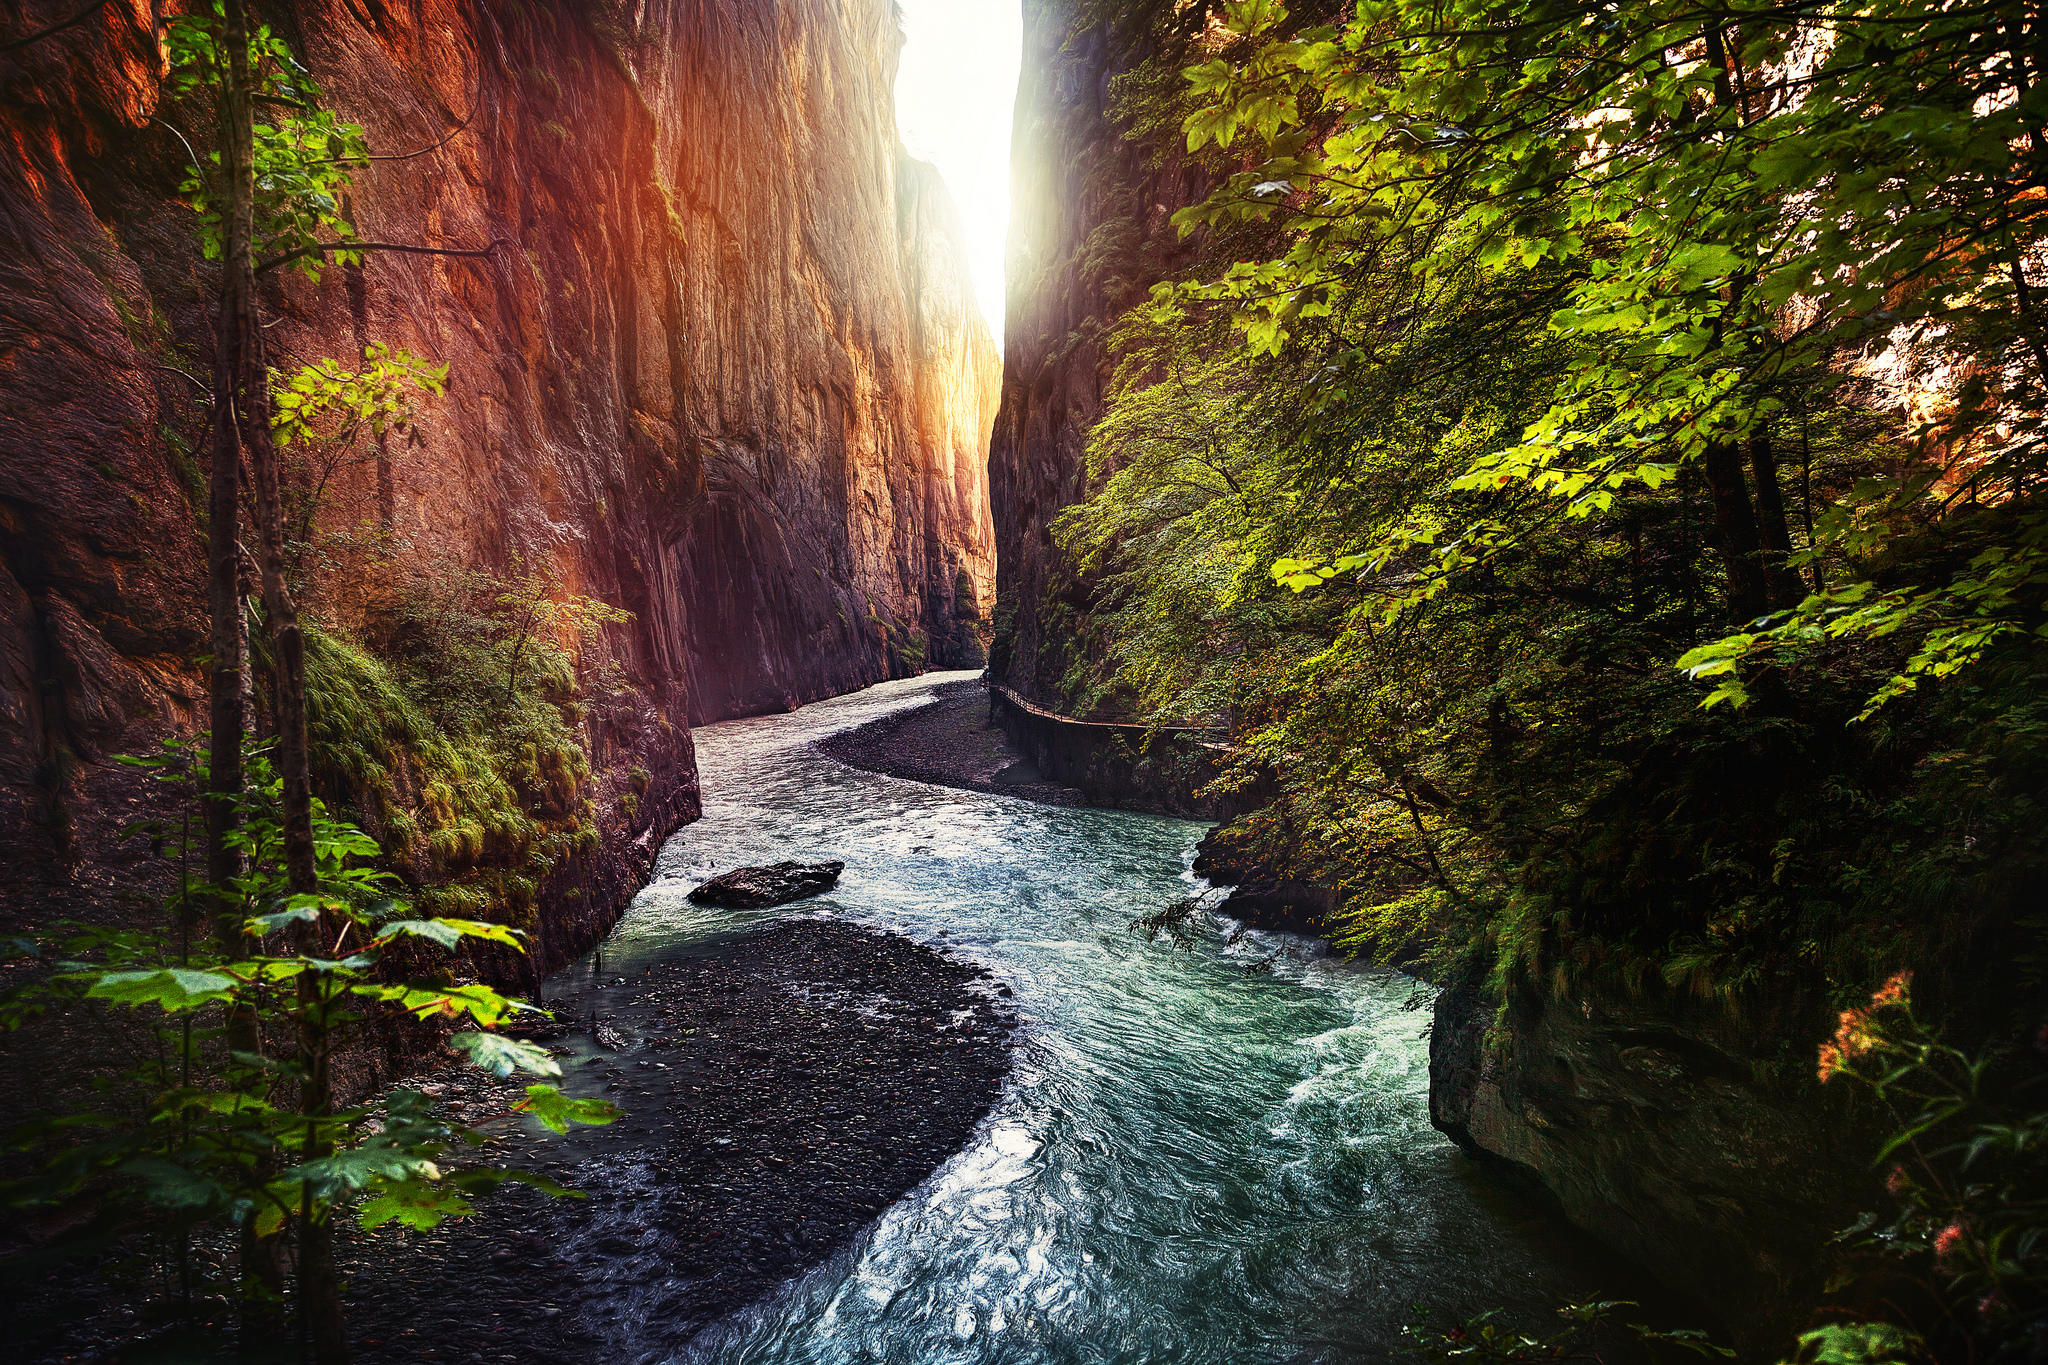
{"x": 1198, "y": 734}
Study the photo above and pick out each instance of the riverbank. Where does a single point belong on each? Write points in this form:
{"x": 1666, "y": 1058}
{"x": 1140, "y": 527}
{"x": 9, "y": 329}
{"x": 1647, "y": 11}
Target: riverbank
{"x": 780, "y": 1089}
{"x": 948, "y": 742}
{"x": 951, "y": 741}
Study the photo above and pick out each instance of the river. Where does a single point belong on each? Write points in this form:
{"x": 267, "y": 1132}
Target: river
{"x": 1220, "y": 1155}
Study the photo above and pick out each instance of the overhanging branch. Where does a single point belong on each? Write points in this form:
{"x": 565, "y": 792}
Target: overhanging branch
{"x": 322, "y": 248}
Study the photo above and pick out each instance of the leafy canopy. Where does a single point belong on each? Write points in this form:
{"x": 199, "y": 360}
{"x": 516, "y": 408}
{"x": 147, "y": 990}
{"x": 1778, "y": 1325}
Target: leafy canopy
{"x": 1751, "y": 202}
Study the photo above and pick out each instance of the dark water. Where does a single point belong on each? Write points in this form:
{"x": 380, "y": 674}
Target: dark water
{"x": 1194, "y": 1160}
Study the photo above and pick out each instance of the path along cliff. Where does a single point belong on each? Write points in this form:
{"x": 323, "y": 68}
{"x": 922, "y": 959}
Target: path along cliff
{"x": 718, "y": 367}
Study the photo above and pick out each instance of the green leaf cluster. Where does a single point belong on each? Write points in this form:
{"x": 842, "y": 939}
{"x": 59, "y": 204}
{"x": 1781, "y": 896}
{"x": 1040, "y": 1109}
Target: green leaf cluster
{"x": 305, "y": 157}
{"x": 1595, "y": 437}
{"x": 324, "y": 402}
{"x": 206, "y": 1126}
{"x": 1747, "y": 206}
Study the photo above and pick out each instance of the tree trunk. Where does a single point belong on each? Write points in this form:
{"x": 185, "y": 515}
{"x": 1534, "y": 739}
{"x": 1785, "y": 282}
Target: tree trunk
{"x": 1735, "y": 521}
{"x": 321, "y": 1321}
{"x": 224, "y": 602}
{"x": 262, "y": 1264}
{"x": 1743, "y": 544}
{"x": 1787, "y": 588}
{"x": 287, "y": 641}
{"x": 387, "y": 491}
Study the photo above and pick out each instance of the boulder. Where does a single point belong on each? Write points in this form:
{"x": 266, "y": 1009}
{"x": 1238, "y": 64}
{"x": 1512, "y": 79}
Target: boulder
{"x": 753, "y": 888}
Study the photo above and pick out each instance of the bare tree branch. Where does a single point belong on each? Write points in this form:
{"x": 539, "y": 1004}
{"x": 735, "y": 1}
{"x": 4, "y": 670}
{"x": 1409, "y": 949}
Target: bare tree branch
{"x": 476, "y": 102}
{"x": 322, "y": 248}
{"x": 95, "y": 7}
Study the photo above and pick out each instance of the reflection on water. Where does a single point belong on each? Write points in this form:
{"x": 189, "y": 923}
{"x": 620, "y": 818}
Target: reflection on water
{"x": 1194, "y": 1160}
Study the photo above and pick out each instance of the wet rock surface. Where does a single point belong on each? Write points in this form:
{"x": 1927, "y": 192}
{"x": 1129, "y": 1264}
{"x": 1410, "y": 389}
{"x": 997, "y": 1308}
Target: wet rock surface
{"x": 780, "y": 1092}
{"x": 1261, "y": 897}
{"x": 949, "y": 743}
{"x": 1661, "y": 1125}
{"x": 759, "y": 888}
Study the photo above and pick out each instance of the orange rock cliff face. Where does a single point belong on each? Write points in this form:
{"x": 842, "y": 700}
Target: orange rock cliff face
{"x": 722, "y": 370}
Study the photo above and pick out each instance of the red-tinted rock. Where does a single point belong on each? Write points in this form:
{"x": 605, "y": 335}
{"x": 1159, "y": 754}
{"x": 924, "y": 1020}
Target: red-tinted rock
{"x": 721, "y": 370}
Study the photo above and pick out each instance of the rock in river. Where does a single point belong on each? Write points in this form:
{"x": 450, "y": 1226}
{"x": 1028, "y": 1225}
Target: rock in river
{"x": 753, "y": 888}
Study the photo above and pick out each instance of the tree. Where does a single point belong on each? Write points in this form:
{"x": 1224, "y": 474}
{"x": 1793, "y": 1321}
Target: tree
{"x": 271, "y": 196}
{"x": 1557, "y": 344}
{"x": 1485, "y": 421}
{"x": 536, "y": 604}
{"x": 245, "y": 1028}
{"x": 300, "y": 162}
{"x": 326, "y": 409}
{"x": 1743, "y": 197}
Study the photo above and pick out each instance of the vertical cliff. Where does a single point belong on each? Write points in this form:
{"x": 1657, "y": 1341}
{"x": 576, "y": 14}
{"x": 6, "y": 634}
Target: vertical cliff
{"x": 718, "y": 368}
{"x": 1089, "y": 235}
{"x": 959, "y": 383}
{"x": 823, "y": 344}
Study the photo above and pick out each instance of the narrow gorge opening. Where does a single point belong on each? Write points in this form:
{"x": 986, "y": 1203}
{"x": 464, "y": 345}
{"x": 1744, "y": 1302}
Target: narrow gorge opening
{"x": 956, "y": 95}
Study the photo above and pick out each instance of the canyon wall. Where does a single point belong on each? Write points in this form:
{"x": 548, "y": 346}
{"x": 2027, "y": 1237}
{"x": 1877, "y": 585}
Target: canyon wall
{"x": 959, "y": 382}
{"x": 720, "y": 368}
{"x": 1089, "y": 235}
{"x": 1677, "y": 1132}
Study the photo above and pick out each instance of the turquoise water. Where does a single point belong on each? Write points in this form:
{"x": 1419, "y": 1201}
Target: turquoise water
{"x": 1217, "y": 1155}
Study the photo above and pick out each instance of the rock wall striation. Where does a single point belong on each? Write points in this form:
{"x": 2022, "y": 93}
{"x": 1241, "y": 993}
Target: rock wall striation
{"x": 720, "y": 368}
{"x": 1089, "y": 235}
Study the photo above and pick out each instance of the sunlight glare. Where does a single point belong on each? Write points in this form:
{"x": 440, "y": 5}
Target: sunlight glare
{"x": 954, "y": 94}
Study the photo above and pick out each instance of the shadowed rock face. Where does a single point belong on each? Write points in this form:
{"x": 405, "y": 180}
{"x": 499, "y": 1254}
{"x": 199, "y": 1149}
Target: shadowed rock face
{"x": 1674, "y": 1132}
{"x": 1089, "y": 235}
{"x": 722, "y": 370}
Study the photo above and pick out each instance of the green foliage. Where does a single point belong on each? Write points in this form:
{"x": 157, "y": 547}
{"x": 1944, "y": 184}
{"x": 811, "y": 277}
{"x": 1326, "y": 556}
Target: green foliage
{"x": 1966, "y": 1166}
{"x": 556, "y": 1111}
{"x": 206, "y": 1124}
{"x": 1858, "y": 1343}
{"x": 305, "y": 157}
{"x": 325, "y": 403}
{"x": 1583, "y": 1330}
{"x": 1719, "y": 190}
{"x": 459, "y": 736}
{"x": 233, "y": 1114}
{"x": 534, "y": 609}
{"x": 1990, "y": 602}
{"x": 1423, "y": 491}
